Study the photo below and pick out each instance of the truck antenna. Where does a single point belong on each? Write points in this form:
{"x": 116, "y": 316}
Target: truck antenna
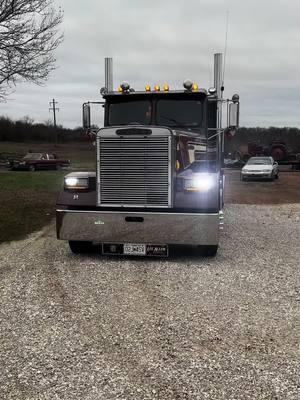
{"x": 209, "y": 71}
{"x": 225, "y": 49}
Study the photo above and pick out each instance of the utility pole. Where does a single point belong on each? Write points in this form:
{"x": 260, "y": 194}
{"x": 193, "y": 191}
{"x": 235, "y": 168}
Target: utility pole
{"x": 53, "y": 108}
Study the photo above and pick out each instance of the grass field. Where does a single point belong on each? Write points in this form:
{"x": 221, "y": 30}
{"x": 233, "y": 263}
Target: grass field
{"x": 27, "y": 199}
{"x": 82, "y": 155}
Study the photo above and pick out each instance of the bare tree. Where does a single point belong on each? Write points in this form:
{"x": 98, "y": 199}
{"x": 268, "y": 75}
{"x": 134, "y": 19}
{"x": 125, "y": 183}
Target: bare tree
{"x": 29, "y": 34}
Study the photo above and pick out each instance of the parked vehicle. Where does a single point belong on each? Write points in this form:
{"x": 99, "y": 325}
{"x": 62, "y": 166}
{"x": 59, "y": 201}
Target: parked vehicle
{"x": 277, "y": 149}
{"x": 260, "y": 168}
{"x": 34, "y": 161}
{"x": 159, "y": 174}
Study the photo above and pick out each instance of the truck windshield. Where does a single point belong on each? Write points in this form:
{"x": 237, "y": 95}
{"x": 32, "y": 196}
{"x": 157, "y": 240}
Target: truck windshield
{"x": 185, "y": 113}
{"x": 130, "y": 112}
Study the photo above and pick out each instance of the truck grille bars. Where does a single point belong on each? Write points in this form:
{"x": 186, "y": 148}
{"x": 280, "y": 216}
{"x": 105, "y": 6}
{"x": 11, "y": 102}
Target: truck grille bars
{"x": 134, "y": 171}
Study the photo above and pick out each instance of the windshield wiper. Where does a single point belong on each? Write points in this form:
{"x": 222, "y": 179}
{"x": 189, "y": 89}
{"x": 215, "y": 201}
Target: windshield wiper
{"x": 172, "y": 120}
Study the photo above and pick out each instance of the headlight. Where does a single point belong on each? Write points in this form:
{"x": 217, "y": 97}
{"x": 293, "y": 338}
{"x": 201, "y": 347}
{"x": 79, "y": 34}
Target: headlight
{"x": 201, "y": 183}
{"x": 76, "y": 183}
{"x": 22, "y": 163}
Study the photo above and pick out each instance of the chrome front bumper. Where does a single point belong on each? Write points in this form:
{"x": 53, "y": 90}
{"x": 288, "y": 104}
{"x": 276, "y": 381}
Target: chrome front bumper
{"x": 154, "y": 228}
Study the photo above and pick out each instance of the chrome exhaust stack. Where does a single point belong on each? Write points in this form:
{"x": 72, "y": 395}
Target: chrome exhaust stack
{"x": 109, "y": 84}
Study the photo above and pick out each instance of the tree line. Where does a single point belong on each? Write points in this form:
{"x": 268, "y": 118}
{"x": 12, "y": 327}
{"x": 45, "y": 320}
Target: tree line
{"x": 265, "y": 136}
{"x": 26, "y": 130}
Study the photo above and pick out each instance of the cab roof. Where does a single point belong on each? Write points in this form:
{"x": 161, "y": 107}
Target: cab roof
{"x": 174, "y": 94}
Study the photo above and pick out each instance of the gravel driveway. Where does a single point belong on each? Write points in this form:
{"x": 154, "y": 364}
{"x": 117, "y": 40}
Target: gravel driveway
{"x": 89, "y": 327}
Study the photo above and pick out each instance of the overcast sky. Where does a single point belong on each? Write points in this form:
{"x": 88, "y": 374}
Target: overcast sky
{"x": 167, "y": 41}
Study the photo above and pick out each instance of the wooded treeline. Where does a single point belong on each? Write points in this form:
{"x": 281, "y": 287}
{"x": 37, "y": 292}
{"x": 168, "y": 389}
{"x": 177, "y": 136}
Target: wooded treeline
{"x": 265, "y": 136}
{"x": 26, "y": 130}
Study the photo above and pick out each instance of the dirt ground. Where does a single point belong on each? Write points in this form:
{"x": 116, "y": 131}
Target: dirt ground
{"x": 282, "y": 191}
{"x": 90, "y": 327}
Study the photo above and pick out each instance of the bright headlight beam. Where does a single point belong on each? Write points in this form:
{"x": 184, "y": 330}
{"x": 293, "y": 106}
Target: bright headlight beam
{"x": 201, "y": 184}
{"x": 76, "y": 183}
{"x": 71, "y": 181}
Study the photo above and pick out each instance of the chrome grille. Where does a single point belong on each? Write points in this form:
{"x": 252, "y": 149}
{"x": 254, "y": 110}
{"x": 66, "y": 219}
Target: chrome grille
{"x": 134, "y": 171}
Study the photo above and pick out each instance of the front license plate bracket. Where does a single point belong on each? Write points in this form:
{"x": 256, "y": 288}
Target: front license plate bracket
{"x": 135, "y": 249}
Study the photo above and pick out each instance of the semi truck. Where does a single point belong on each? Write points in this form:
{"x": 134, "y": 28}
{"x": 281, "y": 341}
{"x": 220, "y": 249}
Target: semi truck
{"x": 159, "y": 178}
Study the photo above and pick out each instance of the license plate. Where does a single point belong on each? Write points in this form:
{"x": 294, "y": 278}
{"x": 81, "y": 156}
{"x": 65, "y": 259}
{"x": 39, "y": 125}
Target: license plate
{"x": 135, "y": 249}
{"x": 145, "y": 249}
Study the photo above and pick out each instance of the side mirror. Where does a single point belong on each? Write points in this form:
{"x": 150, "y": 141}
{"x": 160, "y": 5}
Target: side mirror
{"x": 86, "y": 116}
{"x": 234, "y": 115}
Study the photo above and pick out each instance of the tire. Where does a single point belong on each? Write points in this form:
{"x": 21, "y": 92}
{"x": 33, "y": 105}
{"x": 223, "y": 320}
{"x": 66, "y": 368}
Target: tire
{"x": 277, "y": 176}
{"x": 208, "y": 251}
{"x": 31, "y": 168}
{"x": 78, "y": 247}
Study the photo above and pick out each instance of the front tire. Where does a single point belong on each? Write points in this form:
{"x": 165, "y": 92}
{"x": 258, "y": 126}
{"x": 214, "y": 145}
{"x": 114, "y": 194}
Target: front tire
{"x": 209, "y": 250}
{"x": 78, "y": 247}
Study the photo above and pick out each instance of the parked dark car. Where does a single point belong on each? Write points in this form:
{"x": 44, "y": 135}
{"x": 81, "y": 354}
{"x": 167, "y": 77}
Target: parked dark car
{"x": 34, "y": 161}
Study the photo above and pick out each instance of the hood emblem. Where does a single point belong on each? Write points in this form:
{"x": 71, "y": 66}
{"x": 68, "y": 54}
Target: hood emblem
{"x": 99, "y": 222}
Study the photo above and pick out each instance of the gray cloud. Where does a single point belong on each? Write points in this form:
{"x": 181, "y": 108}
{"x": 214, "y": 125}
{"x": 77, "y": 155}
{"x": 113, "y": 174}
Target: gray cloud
{"x": 158, "y": 42}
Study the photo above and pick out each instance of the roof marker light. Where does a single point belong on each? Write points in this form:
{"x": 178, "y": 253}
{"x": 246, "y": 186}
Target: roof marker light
{"x": 166, "y": 88}
{"x": 125, "y": 86}
{"x": 188, "y": 84}
{"x": 195, "y": 87}
{"x": 120, "y": 89}
{"x": 156, "y": 88}
{"x": 148, "y": 88}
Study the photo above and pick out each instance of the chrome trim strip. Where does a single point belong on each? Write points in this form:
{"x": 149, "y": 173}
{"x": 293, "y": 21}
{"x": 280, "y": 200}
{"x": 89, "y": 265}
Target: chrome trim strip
{"x": 170, "y": 174}
{"x": 98, "y": 171}
{"x": 135, "y": 212}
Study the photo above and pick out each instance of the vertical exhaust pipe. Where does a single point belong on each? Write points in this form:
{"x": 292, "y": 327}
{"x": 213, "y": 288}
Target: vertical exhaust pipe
{"x": 109, "y": 74}
{"x": 218, "y": 84}
{"x": 218, "y": 61}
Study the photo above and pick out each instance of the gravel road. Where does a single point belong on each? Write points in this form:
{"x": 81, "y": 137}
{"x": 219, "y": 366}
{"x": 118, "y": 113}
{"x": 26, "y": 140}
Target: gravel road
{"x": 91, "y": 327}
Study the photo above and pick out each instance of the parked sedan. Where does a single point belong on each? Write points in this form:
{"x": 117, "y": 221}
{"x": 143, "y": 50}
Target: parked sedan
{"x": 34, "y": 161}
{"x": 260, "y": 168}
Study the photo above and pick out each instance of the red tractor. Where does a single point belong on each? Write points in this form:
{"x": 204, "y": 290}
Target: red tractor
{"x": 276, "y": 149}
